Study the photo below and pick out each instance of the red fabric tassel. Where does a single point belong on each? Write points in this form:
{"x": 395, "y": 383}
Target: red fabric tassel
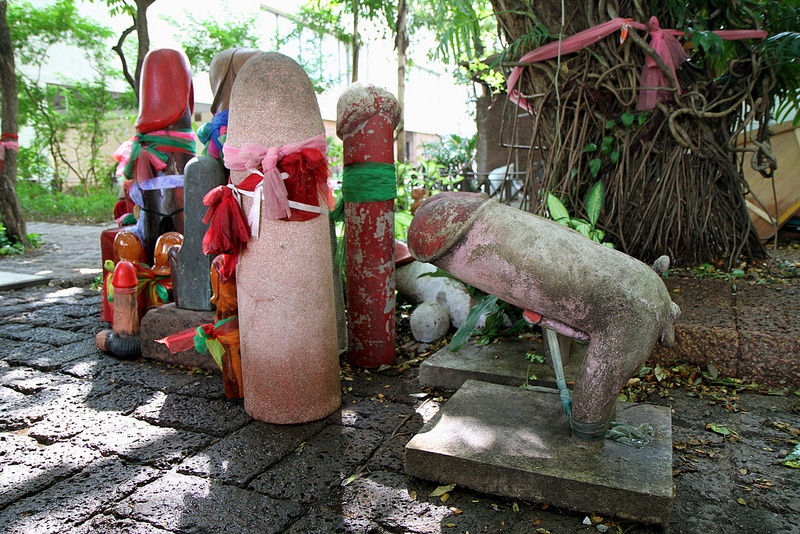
{"x": 183, "y": 340}
{"x": 228, "y": 231}
{"x": 308, "y": 177}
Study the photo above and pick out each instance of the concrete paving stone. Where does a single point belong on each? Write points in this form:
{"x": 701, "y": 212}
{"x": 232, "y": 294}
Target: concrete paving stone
{"x": 325, "y": 460}
{"x": 14, "y": 331}
{"x": 26, "y": 466}
{"x": 371, "y": 381}
{"x": 61, "y": 425}
{"x": 109, "y": 523}
{"x": 184, "y": 503}
{"x": 206, "y": 384}
{"x": 385, "y": 498}
{"x": 121, "y": 398}
{"x": 12, "y": 308}
{"x": 25, "y": 379}
{"x": 74, "y": 500}
{"x": 360, "y": 413}
{"x": 44, "y": 357}
{"x": 390, "y": 456}
{"x": 140, "y": 373}
{"x": 161, "y": 322}
{"x": 41, "y": 334}
{"x": 214, "y": 417}
{"x": 499, "y": 363}
{"x": 238, "y": 458}
{"x": 329, "y": 519}
{"x": 138, "y": 441}
{"x": 65, "y": 316}
{"x": 23, "y": 411}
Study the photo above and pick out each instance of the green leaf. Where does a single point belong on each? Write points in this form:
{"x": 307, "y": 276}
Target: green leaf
{"x": 583, "y": 228}
{"x": 642, "y": 118}
{"x": 462, "y": 335}
{"x": 441, "y": 490}
{"x": 590, "y": 147}
{"x": 594, "y": 166}
{"x": 608, "y": 142}
{"x": 614, "y": 156}
{"x": 610, "y": 124}
{"x": 402, "y": 220}
{"x": 793, "y": 458}
{"x": 557, "y": 210}
{"x": 438, "y": 273}
{"x": 594, "y": 202}
{"x": 722, "y": 430}
{"x": 627, "y": 119}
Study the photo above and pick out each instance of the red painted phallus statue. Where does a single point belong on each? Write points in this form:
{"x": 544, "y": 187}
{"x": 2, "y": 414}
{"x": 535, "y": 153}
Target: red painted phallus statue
{"x": 123, "y": 341}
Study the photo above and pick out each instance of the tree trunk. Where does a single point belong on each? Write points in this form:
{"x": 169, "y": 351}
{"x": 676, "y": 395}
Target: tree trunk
{"x": 356, "y": 42}
{"x": 401, "y": 43}
{"x": 143, "y": 33}
{"x": 673, "y": 185}
{"x": 10, "y": 208}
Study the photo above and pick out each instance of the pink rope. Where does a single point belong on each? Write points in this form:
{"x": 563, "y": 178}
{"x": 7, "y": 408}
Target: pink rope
{"x": 262, "y": 160}
{"x": 664, "y": 42}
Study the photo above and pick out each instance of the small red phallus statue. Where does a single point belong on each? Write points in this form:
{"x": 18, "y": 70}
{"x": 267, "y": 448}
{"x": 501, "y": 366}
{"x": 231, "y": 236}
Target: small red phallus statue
{"x": 123, "y": 341}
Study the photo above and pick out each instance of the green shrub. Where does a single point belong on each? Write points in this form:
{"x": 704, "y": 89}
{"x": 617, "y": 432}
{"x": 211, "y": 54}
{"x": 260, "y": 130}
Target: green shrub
{"x": 11, "y": 248}
{"x": 41, "y": 204}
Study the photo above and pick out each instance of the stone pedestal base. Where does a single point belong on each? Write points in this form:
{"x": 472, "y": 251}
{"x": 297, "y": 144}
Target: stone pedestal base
{"x": 167, "y": 320}
{"x": 498, "y": 363}
{"x": 508, "y": 441}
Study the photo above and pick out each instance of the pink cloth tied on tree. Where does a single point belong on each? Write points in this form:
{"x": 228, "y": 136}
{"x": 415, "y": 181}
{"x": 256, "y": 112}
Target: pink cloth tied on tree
{"x": 7, "y": 145}
{"x": 664, "y": 42}
{"x": 265, "y": 180}
{"x": 653, "y": 79}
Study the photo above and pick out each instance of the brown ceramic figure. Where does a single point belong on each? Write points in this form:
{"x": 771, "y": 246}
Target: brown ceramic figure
{"x": 165, "y": 242}
{"x": 224, "y": 298}
{"x": 127, "y": 246}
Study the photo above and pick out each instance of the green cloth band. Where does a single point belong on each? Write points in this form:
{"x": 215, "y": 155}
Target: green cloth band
{"x": 369, "y": 182}
{"x": 366, "y": 182}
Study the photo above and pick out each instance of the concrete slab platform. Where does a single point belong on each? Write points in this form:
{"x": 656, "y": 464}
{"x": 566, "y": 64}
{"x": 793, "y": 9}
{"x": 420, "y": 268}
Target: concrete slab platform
{"x": 17, "y": 281}
{"x": 516, "y": 443}
{"x": 498, "y": 363}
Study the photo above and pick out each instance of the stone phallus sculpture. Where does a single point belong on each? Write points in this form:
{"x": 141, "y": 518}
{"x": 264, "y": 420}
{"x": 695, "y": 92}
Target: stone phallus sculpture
{"x": 163, "y": 144}
{"x": 570, "y": 284}
{"x": 366, "y": 118}
{"x": 287, "y": 320}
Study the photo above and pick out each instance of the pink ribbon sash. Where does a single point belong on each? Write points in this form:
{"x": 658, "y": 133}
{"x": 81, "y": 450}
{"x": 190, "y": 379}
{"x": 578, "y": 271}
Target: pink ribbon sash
{"x": 265, "y": 181}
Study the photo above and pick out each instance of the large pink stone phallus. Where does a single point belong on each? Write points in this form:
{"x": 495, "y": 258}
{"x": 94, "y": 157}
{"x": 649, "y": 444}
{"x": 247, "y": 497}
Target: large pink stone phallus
{"x": 575, "y": 286}
{"x": 287, "y": 320}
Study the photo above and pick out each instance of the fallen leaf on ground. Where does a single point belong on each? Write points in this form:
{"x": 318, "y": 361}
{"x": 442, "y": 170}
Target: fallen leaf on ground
{"x": 441, "y": 490}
